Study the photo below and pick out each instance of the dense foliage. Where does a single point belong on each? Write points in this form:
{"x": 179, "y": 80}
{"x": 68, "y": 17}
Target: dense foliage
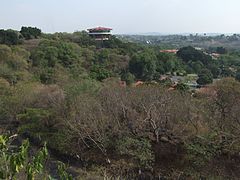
{"x": 66, "y": 89}
{"x": 9, "y": 37}
{"x": 16, "y": 163}
{"x": 30, "y": 32}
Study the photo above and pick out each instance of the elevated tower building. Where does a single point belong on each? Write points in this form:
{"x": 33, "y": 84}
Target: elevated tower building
{"x": 100, "y": 33}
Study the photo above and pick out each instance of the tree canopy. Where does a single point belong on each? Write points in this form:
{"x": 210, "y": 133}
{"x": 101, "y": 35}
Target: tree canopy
{"x": 30, "y": 32}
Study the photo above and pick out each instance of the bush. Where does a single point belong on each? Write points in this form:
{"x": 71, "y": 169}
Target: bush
{"x": 140, "y": 150}
{"x": 17, "y": 163}
{"x": 128, "y": 77}
{"x": 13, "y": 63}
{"x": 99, "y": 73}
{"x": 182, "y": 87}
{"x": 201, "y": 150}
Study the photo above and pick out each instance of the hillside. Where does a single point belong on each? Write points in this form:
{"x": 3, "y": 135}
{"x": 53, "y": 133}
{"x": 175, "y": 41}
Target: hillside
{"x": 112, "y": 109}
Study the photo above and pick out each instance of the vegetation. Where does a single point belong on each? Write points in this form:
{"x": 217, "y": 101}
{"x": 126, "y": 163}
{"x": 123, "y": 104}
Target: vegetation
{"x": 64, "y": 89}
{"x": 17, "y": 164}
{"x": 205, "y": 77}
{"x": 9, "y": 37}
{"x": 30, "y": 32}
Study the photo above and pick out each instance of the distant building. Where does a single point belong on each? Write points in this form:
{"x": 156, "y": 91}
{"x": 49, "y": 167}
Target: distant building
{"x": 138, "y": 83}
{"x": 174, "y": 51}
{"x": 100, "y": 33}
{"x": 177, "y": 79}
{"x": 215, "y": 55}
{"x": 199, "y": 48}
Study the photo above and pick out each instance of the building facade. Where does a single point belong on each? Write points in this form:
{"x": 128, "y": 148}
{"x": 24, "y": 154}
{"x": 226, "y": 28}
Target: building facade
{"x": 100, "y": 33}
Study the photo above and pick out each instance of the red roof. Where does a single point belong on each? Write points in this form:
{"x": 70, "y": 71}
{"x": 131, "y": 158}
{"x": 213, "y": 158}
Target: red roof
{"x": 100, "y": 29}
{"x": 169, "y": 51}
{"x": 138, "y": 83}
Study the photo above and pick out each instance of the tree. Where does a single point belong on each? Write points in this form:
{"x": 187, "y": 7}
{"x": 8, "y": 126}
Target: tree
{"x": 167, "y": 63}
{"x": 238, "y": 76}
{"x": 68, "y": 53}
{"x": 128, "y": 77}
{"x": 46, "y": 76}
{"x": 80, "y": 37}
{"x": 182, "y": 87}
{"x": 139, "y": 150}
{"x": 205, "y": 77}
{"x": 196, "y": 66}
{"x": 99, "y": 72}
{"x": 226, "y": 109}
{"x": 50, "y": 52}
{"x": 215, "y": 69}
{"x": 14, "y": 63}
{"x": 30, "y": 32}
{"x": 9, "y": 37}
{"x": 191, "y": 54}
{"x": 143, "y": 65}
{"x": 221, "y": 50}
{"x": 227, "y": 72}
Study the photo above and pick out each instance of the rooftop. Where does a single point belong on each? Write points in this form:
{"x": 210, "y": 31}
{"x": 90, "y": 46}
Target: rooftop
{"x": 100, "y": 29}
{"x": 169, "y": 51}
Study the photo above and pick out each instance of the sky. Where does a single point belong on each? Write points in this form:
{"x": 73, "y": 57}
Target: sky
{"x": 124, "y": 16}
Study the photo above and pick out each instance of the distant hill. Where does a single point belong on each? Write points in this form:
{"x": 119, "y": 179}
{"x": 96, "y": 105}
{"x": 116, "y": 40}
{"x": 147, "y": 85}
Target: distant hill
{"x": 183, "y": 34}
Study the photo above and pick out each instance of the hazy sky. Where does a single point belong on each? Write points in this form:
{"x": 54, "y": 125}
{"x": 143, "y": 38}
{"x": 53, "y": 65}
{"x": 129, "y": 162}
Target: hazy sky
{"x": 124, "y": 16}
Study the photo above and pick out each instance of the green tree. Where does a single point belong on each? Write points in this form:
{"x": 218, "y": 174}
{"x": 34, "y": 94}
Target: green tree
{"x": 128, "y": 77}
{"x": 191, "y": 54}
{"x": 215, "y": 69}
{"x": 30, "y": 32}
{"x": 167, "y": 63}
{"x": 9, "y": 37}
{"x": 221, "y": 50}
{"x": 227, "y": 72}
{"x": 205, "y": 77}
{"x": 80, "y": 37}
{"x": 139, "y": 150}
{"x": 196, "y": 66}
{"x": 227, "y": 106}
{"x": 182, "y": 87}
{"x": 238, "y": 76}
{"x": 14, "y": 64}
{"x": 143, "y": 65}
{"x": 99, "y": 72}
{"x": 50, "y": 52}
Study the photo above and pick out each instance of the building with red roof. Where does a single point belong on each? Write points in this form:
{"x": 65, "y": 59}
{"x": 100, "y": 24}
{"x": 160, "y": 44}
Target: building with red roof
{"x": 100, "y": 33}
{"x": 174, "y": 51}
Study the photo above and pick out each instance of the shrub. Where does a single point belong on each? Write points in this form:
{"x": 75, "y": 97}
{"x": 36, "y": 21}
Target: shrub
{"x": 17, "y": 163}
{"x": 128, "y": 77}
{"x": 140, "y": 150}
